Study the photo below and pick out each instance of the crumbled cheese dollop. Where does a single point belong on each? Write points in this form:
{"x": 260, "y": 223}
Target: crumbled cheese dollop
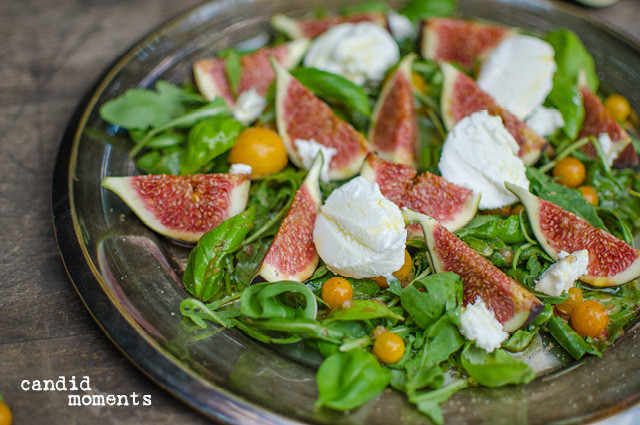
{"x": 308, "y": 150}
{"x": 240, "y": 169}
{"x": 249, "y": 106}
{"x": 559, "y": 277}
{"x": 479, "y": 324}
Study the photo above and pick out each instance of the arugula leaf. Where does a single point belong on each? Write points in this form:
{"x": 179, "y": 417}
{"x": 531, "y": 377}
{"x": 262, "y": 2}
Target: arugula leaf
{"x": 508, "y": 230}
{"x": 207, "y": 140}
{"x": 348, "y": 380}
{"x": 264, "y": 301}
{"x": 139, "y": 109}
{"x": 335, "y": 89}
{"x": 204, "y": 272}
{"x": 571, "y": 57}
{"x": 198, "y": 312}
{"x": 494, "y": 369}
{"x": 429, "y": 402}
{"x": 443, "y": 293}
{"x": 566, "y": 97}
{"x": 569, "y": 199}
{"x": 416, "y": 10}
{"x": 362, "y": 310}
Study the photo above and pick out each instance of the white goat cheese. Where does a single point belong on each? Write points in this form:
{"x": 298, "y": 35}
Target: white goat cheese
{"x": 479, "y": 153}
{"x": 360, "y": 233}
{"x": 308, "y": 149}
{"x": 559, "y": 277}
{"x": 361, "y": 52}
{"x": 479, "y": 324}
{"x": 249, "y": 106}
{"x": 518, "y": 74}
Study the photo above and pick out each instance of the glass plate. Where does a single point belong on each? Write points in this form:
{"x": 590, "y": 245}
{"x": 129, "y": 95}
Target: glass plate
{"x": 130, "y": 278}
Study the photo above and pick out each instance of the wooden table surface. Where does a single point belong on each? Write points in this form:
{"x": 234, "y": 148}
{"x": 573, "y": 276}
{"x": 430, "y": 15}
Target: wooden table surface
{"x": 51, "y": 54}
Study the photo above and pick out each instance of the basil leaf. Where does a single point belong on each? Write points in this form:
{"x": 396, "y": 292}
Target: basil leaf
{"x": 207, "y": 140}
{"x": 166, "y": 161}
{"x": 429, "y": 402}
{"x": 348, "y": 380}
{"x": 508, "y": 230}
{"x": 443, "y": 293}
{"x": 204, "y": 272}
{"x": 232, "y": 68}
{"x": 264, "y": 301}
{"x": 416, "y": 10}
{"x": 571, "y": 57}
{"x": 494, "y": 369}
{"x": 442, "y": 339}
{"x": 565, "y": 97}
{"x": 569, "y": 339}
{"x": 362, "y": 310}
{"x": 569, "y": 199}
{"x": 335, "y": 89}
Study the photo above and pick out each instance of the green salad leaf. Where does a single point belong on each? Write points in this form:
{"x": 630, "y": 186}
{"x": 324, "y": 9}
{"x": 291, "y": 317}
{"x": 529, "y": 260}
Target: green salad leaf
{"x": 207, "y": 140}
{"x": 362, "y": 310}
{"x": 494, "y": 369}
{"x": 441, "y": 292}
{"x": 203, "y": 277}
{"x": 566, "y": 97}
{"x": 416, "y": 10}
{"x": 335, "y": 89}
{"x": 572, "y": 57}
{"x": 348, "y": 380}
{"x": 265, "y": 301}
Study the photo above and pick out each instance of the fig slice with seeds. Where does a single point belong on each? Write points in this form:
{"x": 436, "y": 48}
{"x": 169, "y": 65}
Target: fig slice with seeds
{"x": 512, "y": 304}
{"x": 256, "y": 71}
{"x": 394, "y": 130}
{"x": 302, "y": 115}
{"x": 598, "y": 121}
{"x": 311, "y": 28}
{"x": 460, "y": 41}
{"x": 292, "y": 254}
{"x": 182, "y": 207}
{"x": 612, "y": 262}
{"x": 450, "y": 204}
{"x": 461, "y": 96}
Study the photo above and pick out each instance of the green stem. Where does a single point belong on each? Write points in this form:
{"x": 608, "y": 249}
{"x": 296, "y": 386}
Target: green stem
{"x": 572, "y": 147}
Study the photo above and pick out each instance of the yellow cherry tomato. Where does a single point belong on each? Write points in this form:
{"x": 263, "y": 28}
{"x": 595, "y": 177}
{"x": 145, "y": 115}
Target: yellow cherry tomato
{"x": 5, "y": 414}
{"x": 336, "y": 290}
{"x": 569, "y": 172}
{"x": 418, "y": 82}
{"x": 618, "y": 106}
{"x": 589, "y": 318}
{"x": 589, "y": 194}
{"x": 262, "y": 149}
{"x": 388, "y": 347}
{"x": 403, "y": 274}
{"x": 575, "y": 297}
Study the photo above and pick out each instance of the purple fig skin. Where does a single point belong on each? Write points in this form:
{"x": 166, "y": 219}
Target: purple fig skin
{"x": 513, "y": 305}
